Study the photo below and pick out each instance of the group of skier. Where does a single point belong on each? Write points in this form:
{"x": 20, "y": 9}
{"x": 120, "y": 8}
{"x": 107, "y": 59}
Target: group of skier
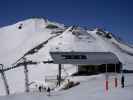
{"x": 48, "y": 90}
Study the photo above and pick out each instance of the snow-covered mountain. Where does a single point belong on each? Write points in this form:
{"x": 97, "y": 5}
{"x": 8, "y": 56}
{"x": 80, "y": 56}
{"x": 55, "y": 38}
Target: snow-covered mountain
{"x": 34, "y": 38}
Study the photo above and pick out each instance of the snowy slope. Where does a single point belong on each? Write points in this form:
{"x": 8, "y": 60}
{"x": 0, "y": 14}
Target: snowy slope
{"x": 15, "y": 42}
{"x": 17, "y": 39}
{"x": 91, "y": 87}
{"x": 94, "y": 41}
{"x": 14, "y": 46}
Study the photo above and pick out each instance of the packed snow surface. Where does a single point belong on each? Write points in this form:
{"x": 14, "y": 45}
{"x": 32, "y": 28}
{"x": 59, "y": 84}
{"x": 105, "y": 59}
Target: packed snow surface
{"x": 91, "y": 87}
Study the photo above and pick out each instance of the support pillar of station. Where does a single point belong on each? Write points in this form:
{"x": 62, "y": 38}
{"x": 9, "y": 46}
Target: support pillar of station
{"x": 59, "y": 73}
{"x": 106, "y": 79}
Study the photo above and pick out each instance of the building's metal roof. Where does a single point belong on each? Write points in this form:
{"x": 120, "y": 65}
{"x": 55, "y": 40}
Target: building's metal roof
{"x": 84, "y": 58}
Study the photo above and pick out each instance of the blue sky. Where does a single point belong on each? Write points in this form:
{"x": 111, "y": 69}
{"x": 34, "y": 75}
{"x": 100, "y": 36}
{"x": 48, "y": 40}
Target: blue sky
{"x": 115, "y": 16}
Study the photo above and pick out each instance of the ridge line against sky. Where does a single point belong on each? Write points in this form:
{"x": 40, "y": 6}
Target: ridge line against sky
{"x": 115, "y": 16}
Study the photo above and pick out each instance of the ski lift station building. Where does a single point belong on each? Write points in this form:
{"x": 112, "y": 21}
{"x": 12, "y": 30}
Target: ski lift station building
{"x": 88, "y": 62}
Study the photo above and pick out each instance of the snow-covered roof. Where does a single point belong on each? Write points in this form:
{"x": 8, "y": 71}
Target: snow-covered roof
{"x": 92, "y": 58}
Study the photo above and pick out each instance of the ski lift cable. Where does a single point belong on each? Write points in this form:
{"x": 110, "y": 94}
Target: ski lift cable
{"x": 29, "y": 62}
{"x": 35, "y": 49}
{"x": 32, "y": 51}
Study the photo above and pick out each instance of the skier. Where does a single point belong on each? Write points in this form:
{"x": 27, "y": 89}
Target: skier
{"x": 48, "y": 91}
{"x": 122, "y": 81}
{"x": 40, "y": 88}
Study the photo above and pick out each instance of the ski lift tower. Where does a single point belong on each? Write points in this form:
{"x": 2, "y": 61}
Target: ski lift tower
{"x": 4, "y": 79}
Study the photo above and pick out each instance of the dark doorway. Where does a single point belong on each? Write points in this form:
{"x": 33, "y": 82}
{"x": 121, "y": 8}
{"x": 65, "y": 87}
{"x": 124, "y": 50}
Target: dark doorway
{"x": 96, "y": 69}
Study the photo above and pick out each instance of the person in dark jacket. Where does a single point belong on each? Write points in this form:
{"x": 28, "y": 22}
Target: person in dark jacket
{"x": 48, "y": 91}
{"x": 40, "y": 88}
{"x": 122, "y": 81}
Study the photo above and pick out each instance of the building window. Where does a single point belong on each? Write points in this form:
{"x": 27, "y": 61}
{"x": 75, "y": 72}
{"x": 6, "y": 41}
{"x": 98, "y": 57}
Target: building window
{"x": 74, "y": 57}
